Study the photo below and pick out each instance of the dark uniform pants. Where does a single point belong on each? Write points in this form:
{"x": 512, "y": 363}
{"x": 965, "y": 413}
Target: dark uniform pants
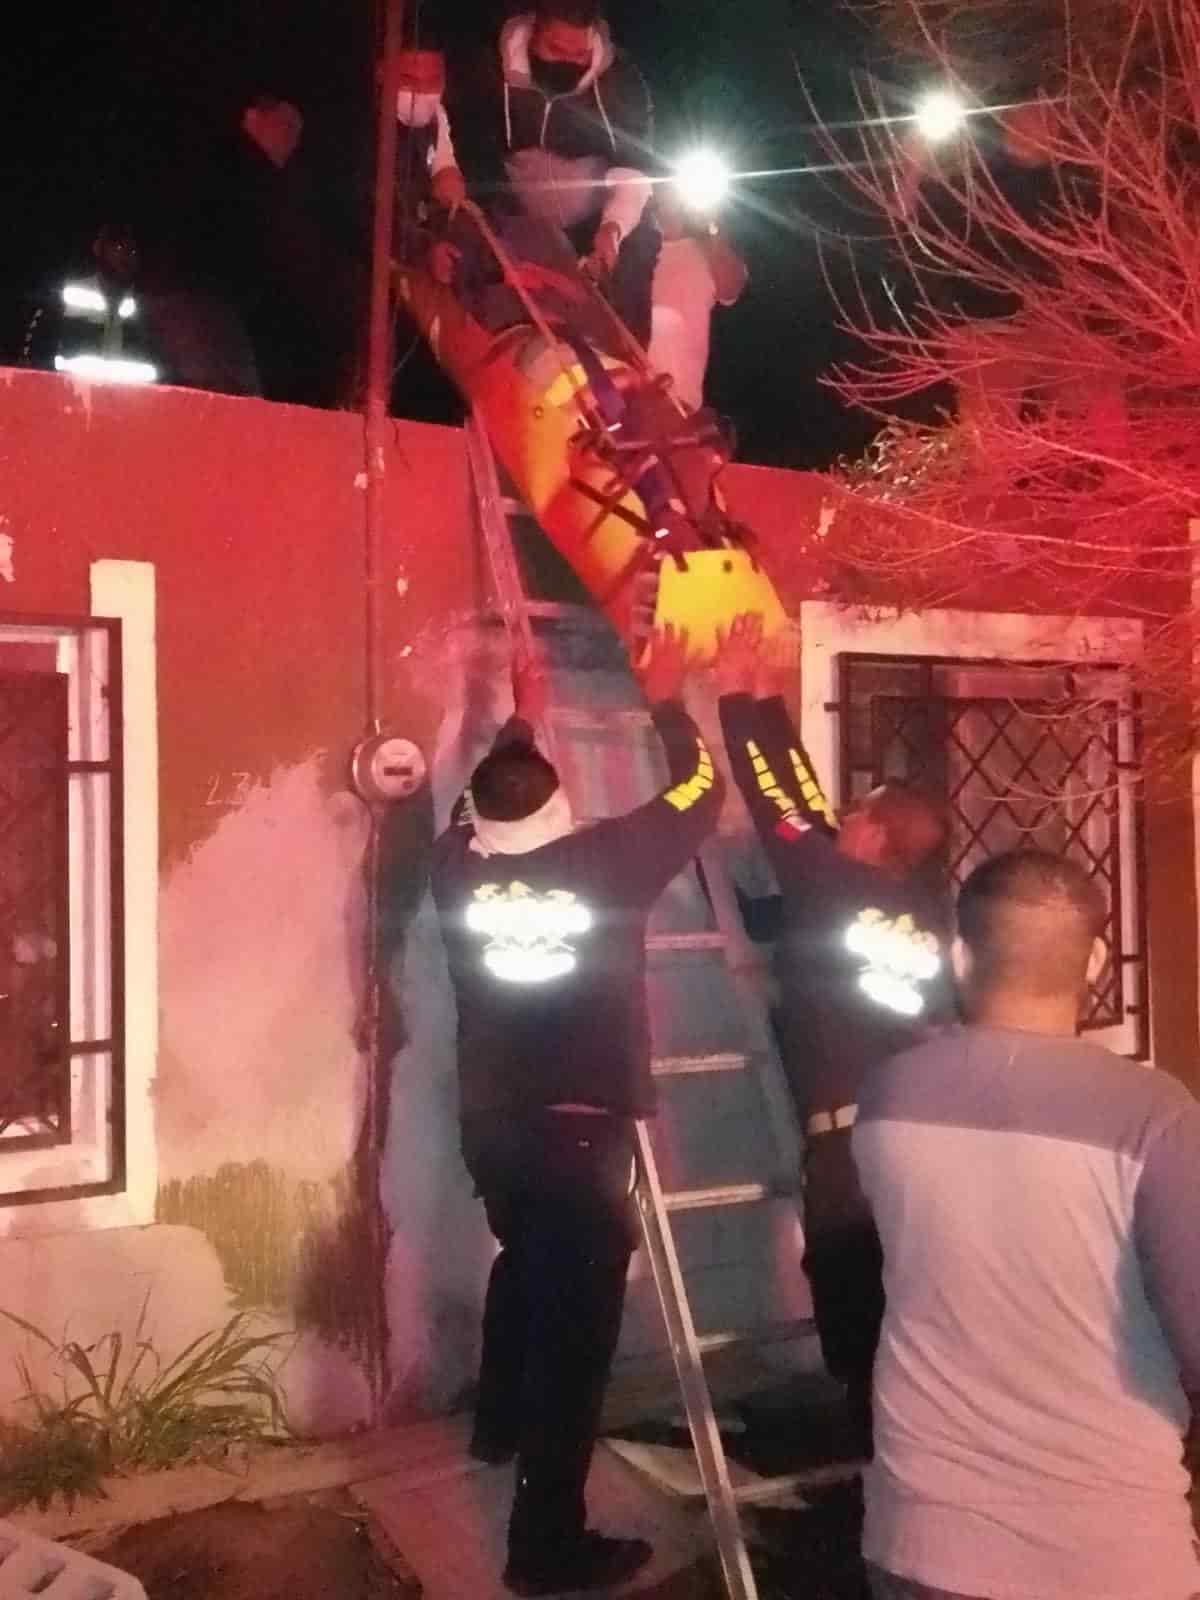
{"x": 844, "y": 1263}
{"x": 557, "y": 1188}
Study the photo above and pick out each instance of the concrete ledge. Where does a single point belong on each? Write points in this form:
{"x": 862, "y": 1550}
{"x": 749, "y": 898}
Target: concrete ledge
{"x": 263, "y": 1474}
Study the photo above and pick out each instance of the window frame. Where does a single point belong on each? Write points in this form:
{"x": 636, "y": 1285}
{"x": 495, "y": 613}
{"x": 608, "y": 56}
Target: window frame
{"x": 89, "y": 654}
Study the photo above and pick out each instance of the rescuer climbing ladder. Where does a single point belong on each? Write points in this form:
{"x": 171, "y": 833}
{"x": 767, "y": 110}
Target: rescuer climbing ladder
{"x": 720, "y": 944}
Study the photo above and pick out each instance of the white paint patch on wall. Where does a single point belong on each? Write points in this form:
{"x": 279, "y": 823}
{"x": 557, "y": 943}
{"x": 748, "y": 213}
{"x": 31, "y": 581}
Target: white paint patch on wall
{"x": 7, "y": 553}
{"x": 434, "y": 1294}
{"x": 82, "y": 1286}
{"x": 261, "y": 961}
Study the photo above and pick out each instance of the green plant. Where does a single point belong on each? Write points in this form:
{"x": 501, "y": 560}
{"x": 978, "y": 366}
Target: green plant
{"x": 121, "y": 1408}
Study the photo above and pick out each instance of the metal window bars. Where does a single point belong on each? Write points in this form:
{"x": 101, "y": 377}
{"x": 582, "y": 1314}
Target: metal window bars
{"x": 1038, "y": 754}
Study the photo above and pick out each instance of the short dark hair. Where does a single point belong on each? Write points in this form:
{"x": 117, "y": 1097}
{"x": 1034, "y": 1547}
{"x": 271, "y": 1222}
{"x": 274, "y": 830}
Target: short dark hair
{"x": 1029, "y": 919}
{"x": 579, "y": 13}
{"x": 512, "y": 783}
{"x": 914, "y": 825}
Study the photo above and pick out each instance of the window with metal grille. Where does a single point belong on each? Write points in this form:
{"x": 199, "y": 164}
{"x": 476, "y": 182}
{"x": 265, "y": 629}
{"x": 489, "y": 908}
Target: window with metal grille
{"x": 61, "y": 1078}
{"x": 1043, "y": 755}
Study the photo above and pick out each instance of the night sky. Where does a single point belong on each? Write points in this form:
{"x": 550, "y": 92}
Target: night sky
{"x": 119, "y": 112}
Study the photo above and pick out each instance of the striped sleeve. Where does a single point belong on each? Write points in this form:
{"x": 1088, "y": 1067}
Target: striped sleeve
{"x": 649, "y": 846}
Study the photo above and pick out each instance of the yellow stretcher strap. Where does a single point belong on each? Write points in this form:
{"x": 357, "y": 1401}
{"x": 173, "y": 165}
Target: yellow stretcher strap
{"x": 562, "y": 391}
{"x": 717, "y": 586}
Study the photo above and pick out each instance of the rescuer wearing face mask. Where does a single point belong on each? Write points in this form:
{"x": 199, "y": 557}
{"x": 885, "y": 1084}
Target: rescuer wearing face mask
{"x": 426, "y": 164}
{"x": 565, "y": 127}
{"x": 860, "y": 972}
{"x": 429, "y": 184}
{"x": 545, "y": 927}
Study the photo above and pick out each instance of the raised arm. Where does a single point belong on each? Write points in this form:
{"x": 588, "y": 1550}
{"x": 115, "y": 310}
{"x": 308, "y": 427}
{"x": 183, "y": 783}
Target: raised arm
{"x": 729, "y": 272}
{"x": 766, "y": 756}
{"x": 631, "y": 119}
{"x": 655, "y": 842}
{"x": 519, "y": 732}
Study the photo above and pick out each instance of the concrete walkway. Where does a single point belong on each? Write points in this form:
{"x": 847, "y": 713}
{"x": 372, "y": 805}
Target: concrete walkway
{"x": 448, "y": 1520}
{"x": 443, "y": 1513}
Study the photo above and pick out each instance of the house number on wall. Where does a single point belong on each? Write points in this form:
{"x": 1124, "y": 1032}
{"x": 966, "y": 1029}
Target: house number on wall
{"x": 228, "y": 788}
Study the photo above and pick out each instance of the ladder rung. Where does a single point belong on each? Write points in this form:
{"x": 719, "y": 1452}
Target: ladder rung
{"x": 686, "y": 941}
{"x": 768, "y": 1489}
{"x": 565, "y": 611}
{"x": 694, "y": 1066}
{"x": 769, "y": 1333}
{"x": 721, "y": 1194}
{"x": 584, "y": 721}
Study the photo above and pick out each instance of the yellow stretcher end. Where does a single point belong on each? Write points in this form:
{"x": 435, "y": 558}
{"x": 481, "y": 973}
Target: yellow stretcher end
{"x": 717, "y": 586}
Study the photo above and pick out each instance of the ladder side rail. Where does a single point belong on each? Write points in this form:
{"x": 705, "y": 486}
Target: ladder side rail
{"x": 656, "y": 1228}
{"x": 689, "y": 1369}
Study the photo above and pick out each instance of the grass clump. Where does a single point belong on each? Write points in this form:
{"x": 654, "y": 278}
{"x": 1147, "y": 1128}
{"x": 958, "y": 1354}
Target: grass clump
{"x": 118, "y": 1407}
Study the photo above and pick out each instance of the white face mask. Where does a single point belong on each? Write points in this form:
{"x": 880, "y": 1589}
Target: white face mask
{"x": 415, "y": 110}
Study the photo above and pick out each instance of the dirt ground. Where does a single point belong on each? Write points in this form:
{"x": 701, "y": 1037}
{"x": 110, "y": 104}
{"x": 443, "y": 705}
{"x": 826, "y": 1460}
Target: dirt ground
{"x": 302, "y": 1550}
{"x": 307, "y": 1549}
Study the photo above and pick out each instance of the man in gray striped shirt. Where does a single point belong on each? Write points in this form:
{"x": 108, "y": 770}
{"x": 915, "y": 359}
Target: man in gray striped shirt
{"x": 1038, "y": 1201}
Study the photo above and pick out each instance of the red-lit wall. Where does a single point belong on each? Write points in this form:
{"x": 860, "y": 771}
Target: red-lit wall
{"x": 252, "y": 516}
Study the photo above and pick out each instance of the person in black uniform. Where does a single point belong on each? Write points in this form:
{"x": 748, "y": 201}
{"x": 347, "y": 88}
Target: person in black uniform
{"x": 860, "y": 977}
{"x": 545, "y": 927}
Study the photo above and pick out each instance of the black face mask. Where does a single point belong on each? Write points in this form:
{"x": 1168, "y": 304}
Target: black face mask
{"x": 556, "y": 77}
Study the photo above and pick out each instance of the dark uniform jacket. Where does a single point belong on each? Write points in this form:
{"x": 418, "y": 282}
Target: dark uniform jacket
{"x": 858, "y": 964}
{"x": 547, "y": 948}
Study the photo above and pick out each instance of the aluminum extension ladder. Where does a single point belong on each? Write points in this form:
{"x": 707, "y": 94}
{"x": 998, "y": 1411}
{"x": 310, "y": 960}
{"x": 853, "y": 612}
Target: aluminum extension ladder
{"x": 656, "y": 1205}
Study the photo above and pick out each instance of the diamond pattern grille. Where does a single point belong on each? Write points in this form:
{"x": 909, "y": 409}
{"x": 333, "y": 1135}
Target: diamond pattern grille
{"x": 1011, "y": 771}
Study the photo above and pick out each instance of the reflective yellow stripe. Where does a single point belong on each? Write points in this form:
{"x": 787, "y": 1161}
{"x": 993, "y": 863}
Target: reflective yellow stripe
{"x": 810, "y": 789}
{"x": 768, "y": 783}
{"x": 570, "y": 382}
{"x": 684, "y": 795}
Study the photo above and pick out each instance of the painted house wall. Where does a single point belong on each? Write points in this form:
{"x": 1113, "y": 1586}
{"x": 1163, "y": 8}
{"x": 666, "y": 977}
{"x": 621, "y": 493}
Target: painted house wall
{"x": 249, "y": 517}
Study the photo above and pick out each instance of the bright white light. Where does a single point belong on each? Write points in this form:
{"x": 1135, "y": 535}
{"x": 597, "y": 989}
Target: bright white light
{"x": 895, "y": 946}
{"x": 899, "y": 956}
{"x": 893, "y": 993}
{"x": 528, "y": 966}
{"x": 940, "y": 114}
{"x": 112, "y": 369}
{"x": 82, "y": 297}
{"x": 528, "y": 934}
{"x": 702, "y": 180}
{"x": 127, "y": 308}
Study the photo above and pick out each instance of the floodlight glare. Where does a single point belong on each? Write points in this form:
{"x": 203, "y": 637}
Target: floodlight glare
{"x": 939, "y": 115}
{"x": 702, "y": 180}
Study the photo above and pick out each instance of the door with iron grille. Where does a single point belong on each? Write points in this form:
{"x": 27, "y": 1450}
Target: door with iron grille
{"x": 1042, "y": 755}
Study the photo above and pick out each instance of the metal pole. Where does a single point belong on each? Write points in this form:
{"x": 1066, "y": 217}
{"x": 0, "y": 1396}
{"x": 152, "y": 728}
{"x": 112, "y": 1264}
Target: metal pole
{"x": 375, "y": 430}
{"x": 379, "y": 346}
